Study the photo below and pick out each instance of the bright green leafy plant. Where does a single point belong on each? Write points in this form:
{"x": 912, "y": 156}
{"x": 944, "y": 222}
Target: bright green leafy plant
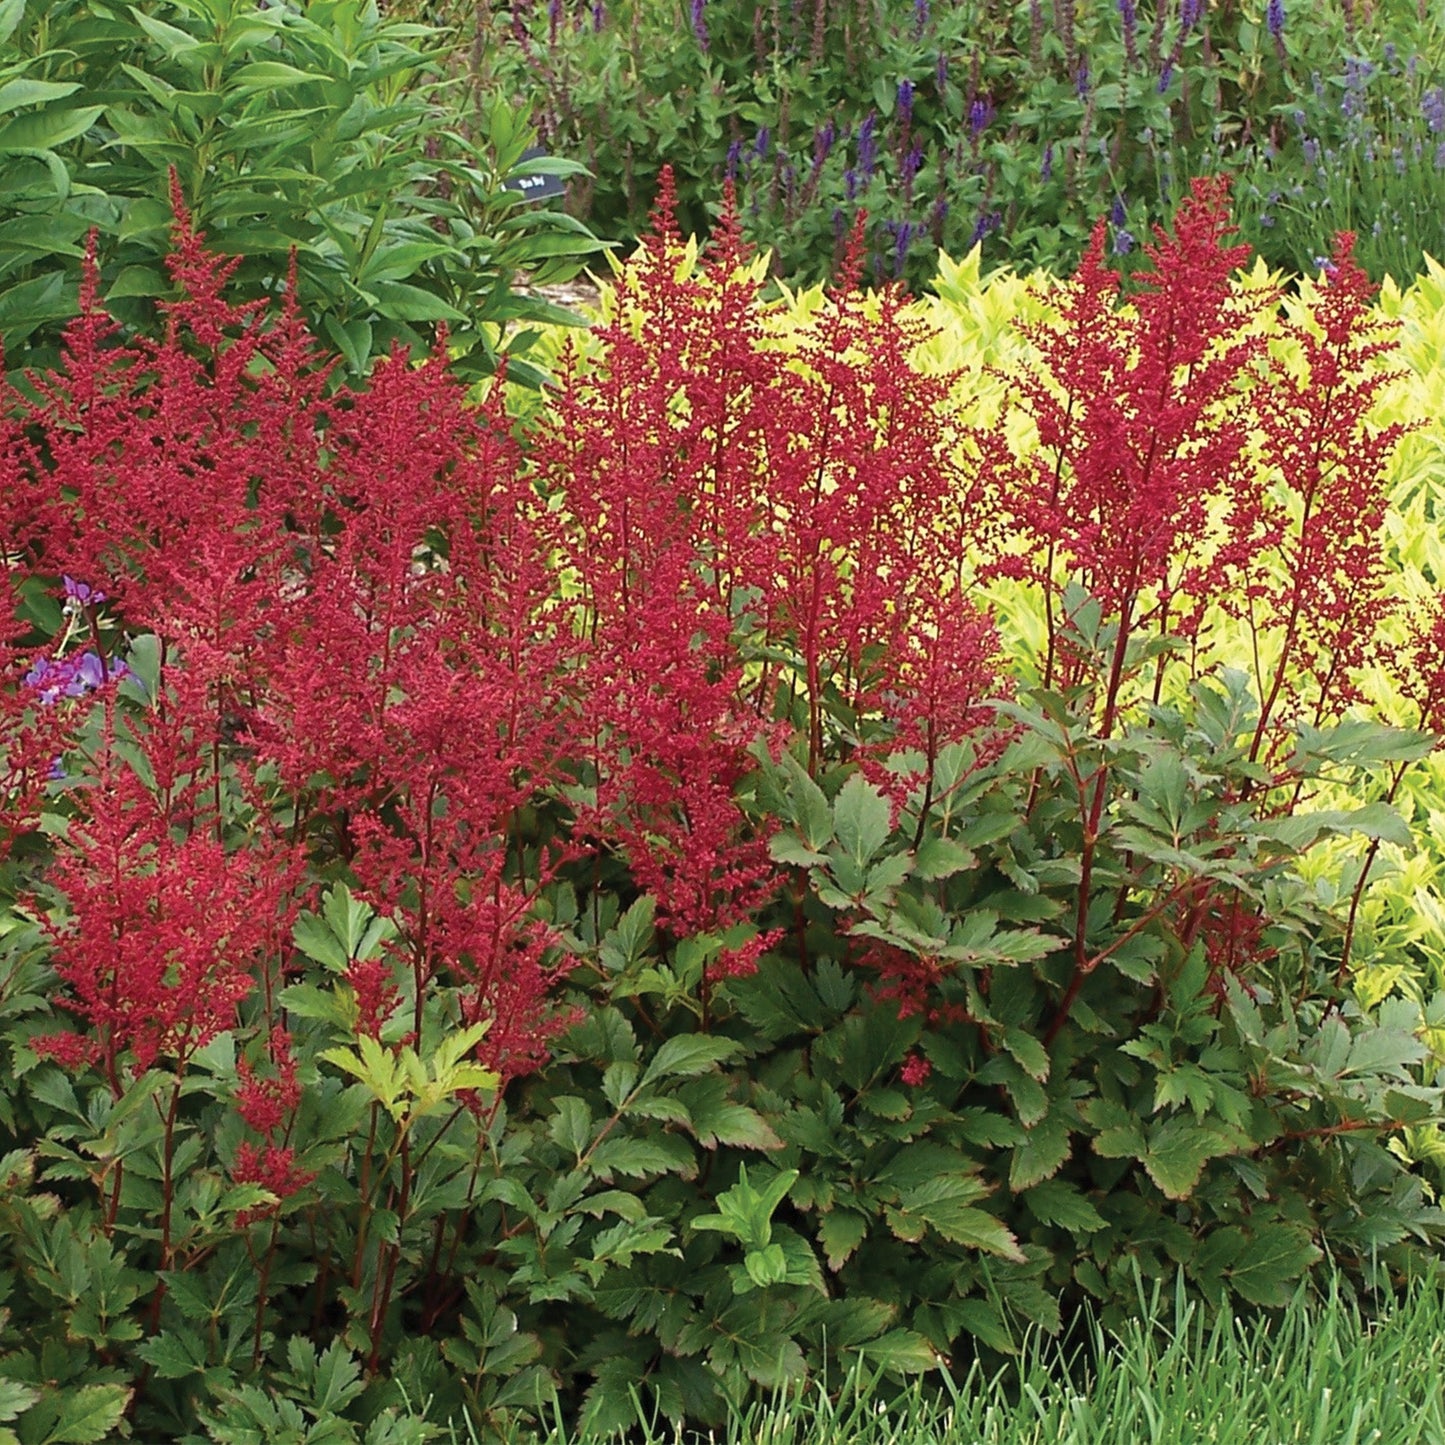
{"x": 323, "y": 136}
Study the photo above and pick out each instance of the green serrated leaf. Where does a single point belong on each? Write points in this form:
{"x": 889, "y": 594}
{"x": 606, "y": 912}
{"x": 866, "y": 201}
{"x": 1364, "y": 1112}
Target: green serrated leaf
{"x": 687, "y": 1055}
{"x": 1177, "y": 1152}
{"x": 1266, "y": 1268}
{"x": 862, "y": 819}
{"x": 89, "y": 1414}
{"x": 16, "y": 1398}
{"x": 904, "y": 1352}
{"x": 1060, "y": 1203}
{"x": 840, "y": 1232}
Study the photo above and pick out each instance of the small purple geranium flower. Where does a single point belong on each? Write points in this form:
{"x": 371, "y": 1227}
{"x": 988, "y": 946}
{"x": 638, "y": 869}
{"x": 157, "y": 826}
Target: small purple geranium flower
{"x": 82, "y": 592}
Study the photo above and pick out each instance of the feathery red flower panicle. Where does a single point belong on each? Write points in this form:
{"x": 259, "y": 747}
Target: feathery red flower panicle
{"x": 1141, "y": 481}
{"x": 1330, "y": 593}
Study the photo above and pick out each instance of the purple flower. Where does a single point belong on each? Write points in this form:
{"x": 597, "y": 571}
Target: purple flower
{"x": 1081, "y": 77}
{"x": 82, "y": 593}
{"x": 1190, "y": 12}
{"x": 1129, "y": 18}
{"x": 760, "y": 146}
{"x": 904, "y": 233}
{"x": 1432, "y": 107}
{"x": 1046, "y": 165}
{"x": 905, "y": 103}
{"x": 920, "y": 17}
{"x": 940, "y": 73}
{"x": 1311, "y": 148}
{"x": 554, "y": 16}
{"x": 1357, "y": 77}
{"x": 699, "y": 25}
{"x": 1117, "y": 213}
{"x": 54, "y": 678}
{"x": 868, "y": 145}
{"x": 1274, "y": 19}
{"x": 735, "y": 153}
{"x": 987, "y": 223}
{"x": 823, "y": 139}
{"x": 49, "y": 679}
{"x": 599, "y": 14}
{"x": 980, "y": 113}
{"x": 912, "y": 164}
{"x": 1165, "y": 76}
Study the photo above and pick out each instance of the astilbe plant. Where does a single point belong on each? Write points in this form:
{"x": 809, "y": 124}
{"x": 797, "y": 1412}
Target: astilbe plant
{"x": 751, "y": 523}
{"x": 311, "y": 641}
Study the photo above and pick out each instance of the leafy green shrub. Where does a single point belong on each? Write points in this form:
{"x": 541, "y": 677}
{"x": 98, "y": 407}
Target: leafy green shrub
{"x": 502, "y": 923}
{"x": 321, "y": 131}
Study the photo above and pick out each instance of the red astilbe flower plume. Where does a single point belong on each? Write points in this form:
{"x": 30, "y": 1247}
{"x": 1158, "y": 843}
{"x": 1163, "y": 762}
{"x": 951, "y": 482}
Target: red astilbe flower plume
{"x": 417, "y": 675}
{"x": 265, "y": 1102}
{"x": 651, "y": 451}
{"x": 165, "y": 932}
{"x": 274, "y": 1168}
{"x": 1330, "y": 590}
{"x": 190, "y": 461}
{"x": 267, "y": 1105}
{"x": 1140, "y": 480}
{"x": 351, "y": 600}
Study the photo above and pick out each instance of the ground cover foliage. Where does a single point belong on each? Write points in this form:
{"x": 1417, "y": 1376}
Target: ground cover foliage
{"x": 963, "y": 122}
{"x": 506, "y": 915}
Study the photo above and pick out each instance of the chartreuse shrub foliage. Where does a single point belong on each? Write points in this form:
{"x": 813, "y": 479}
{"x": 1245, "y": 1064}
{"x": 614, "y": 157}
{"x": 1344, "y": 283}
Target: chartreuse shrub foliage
{"x": 322, "y": 136}
{"x": 502, "y": 918}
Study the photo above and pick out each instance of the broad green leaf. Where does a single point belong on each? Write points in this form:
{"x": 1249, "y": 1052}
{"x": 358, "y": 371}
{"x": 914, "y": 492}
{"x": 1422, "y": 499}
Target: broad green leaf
{"x": 88, "y": 1414}
{"x": 1057, "y": 1202}
{"x": 25, "y": 91}
{"x": 791, "y": 849}
{"x": 1178, "y": 1151}
{"x": 862, "y": 819}
{"x": 840, "y": 1232}
{"x": 571, "y": 1125}
{"x": 945, "y": 1205}
{"x": 11, "y": 14}
{"x": 273, "y": 75}
{"x": 42, "y": 130}
{"x": 687, "y": 1055}
{"x": 16, "y": 1398}
{"x": 1030, "y": 1054}
{"x": 1265, "y": 1271}
{"x": 905, "y": 1352}
{"x": 630, "y": 939}
{"x": 941, "y": 858}
{"x": 399, "y": 301}
{"x": 1042, "y": 1153}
